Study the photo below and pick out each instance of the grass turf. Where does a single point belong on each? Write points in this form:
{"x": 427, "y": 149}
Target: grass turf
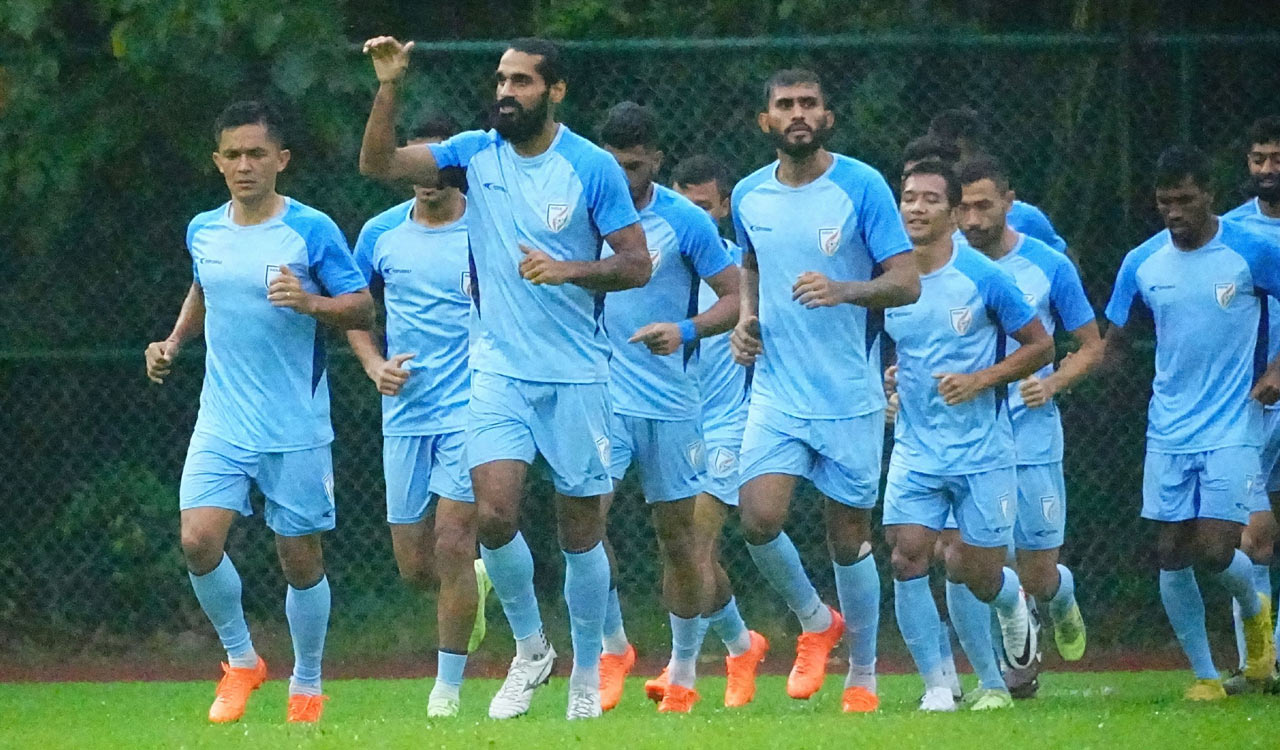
{"x": 1085, "y": 710}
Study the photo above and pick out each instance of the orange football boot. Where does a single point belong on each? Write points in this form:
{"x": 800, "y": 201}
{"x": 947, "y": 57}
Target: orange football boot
{"x": 657, "y": 687}
{"x": 677, "y": 699}
{"x": 234, "y": 689}
{"x": 305, "y": 709}
{"x": 859, "y": 700}
{"x": 614, "y": 669}
{"x": 740, "y": 687}
{"x": 812, "y": 650}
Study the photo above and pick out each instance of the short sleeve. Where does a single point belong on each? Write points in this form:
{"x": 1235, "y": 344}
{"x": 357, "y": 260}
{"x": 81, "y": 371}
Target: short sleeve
{"x": 1125, "y": 292}
{"x": 1001, "y": 295}
{"x": 331, "y": 261}
{"x": 607, "y": 195}
{"x": 458, "y": 150}
{"x": 1066, "y": 293}
{"x": 880, "y": 222}
{"x": 700, "y": 243}
{"x": 365, "y": 244}
{"x": 1264, "y": 262}
{"x": 740, "y": 229}
{"x": 1034, "y": 223}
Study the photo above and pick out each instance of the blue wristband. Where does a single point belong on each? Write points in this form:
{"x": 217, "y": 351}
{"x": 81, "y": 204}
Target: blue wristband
{"x": 688, "y": 332}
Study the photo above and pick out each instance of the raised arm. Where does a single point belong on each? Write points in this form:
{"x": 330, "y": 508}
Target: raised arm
{"x": 160, "y": 354}
{"x": 379, "y": 155}
{"x": 627, "y": 268}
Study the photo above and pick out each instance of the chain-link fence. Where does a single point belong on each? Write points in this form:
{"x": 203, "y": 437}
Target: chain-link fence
{"x": 92, "y": 452}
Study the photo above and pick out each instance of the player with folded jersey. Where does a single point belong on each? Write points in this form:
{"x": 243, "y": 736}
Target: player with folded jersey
{"x": 822, "y": 248}
{"x": 1202, "y": 280}
{"x": 269, "y": 271}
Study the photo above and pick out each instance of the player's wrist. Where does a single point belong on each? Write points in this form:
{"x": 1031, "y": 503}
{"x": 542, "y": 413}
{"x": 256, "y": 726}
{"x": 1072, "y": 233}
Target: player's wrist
{"x": 688, "y": 331}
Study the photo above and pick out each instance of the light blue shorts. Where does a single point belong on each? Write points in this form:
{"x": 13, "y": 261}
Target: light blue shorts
{"x": 983, "y": 503}
{"x": 1042, "y": 507}
{"x": 670, "y": 456}
{"x": 1270, "y": 465}
{"x": 418, "y": 468}
{"x": 298, "y": 485}
{"x": 723, "y": 446}
{"x": 568, "y": 423}
{"x": 842, "y": 457}
{"x": 1209, "y": 484}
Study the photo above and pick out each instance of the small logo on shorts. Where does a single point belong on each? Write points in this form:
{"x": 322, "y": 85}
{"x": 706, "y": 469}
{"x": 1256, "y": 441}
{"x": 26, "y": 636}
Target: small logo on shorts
{"x": 1224, "y": 293}
{"x": 602, "y": 447}
{"x": 961, "y": 319}
{"x": 829, "y": 240}
{"x": 723, "y": 461}
{"x": 1004, "y": 505}
{"x": 655, "y": 259}
{"x": 697, "y": 453}
{"x": 1049, "y": 506}
{"x": 328, "y": 488}
{"x": 557, "y": 216}
{"x": 465, "y": 283}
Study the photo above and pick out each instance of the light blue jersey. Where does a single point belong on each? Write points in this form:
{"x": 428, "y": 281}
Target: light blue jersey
{"x": 960, "y": 324}
{"x": 426, "y": 280}
{"x": 683, "y": 247}
{"x": 1051, "y": 285}
{"x": 265, "y": 387}
{"x": 1250, "y": 216}
{"x": 563, "y": 202}
{"x": 1207, "y": 311}
{"x": 723, "y": 381}
{"x": 822, "y": 363}
{"x": 1033, "y": 222}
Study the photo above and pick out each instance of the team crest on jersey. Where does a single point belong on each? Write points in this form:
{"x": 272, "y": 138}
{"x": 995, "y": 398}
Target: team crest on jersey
{"x": 1224, "y": 293}
{"x": 272, "y": 272}
{"x": 697, "y": 452}
{"x": 557, "y": 216}
{"x": 602, "y": 447}
{"x": 829, "y": 240}
{"x": 723, "y": 461}
{"x": 655, "y": 258}
{"x": 1049, "y": 506}
{"x": 961, "y": 319}
{"x": 464, "y": 283}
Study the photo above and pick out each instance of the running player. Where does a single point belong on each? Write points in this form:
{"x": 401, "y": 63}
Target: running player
{"x": 417, "y": 253}
{"x": 1261, "y": 214}
{"x": 268, "y": 271}
{"x": 822, "y": 244}
{"x": 963, "y": 129}
{"x": 541, "y": 199}
{"x": 1051, "y": 285}
{"x": 953, "y": 441}
{"x": 654, "y": 331}
{"x": 1201, "y": 280}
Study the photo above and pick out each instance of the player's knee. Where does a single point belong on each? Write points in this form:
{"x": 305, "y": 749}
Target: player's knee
{"x": 1171, "y": 555}
{"x": 301, "y": 560}
{"x": 416, "y": 572}
{"x": 760, "y": 527}
{"x": 494, "y": 528}
{"x": 909, "y": 563}
{"x": 454, "y": 548}
{"x": 202, "y": 549}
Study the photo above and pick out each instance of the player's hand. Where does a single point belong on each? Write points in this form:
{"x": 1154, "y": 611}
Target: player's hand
{"x": 891, "y": 381}
{"x": 745, "y": 341}
{"x": 661, "y": 338}
{"x": 160, "y": 356}
{"x": 891, "y": 410}
{"x": 286, "y": 291}
{"x": 539, "y": 268}
{"x": 1036, "y": 392}
{"x": 957, "y": 388}
{"x": 813, "y": 289}
{"x": 1267, "y": 389}
{"x": 390, "y": 376}
{"x": 390, "y": 58}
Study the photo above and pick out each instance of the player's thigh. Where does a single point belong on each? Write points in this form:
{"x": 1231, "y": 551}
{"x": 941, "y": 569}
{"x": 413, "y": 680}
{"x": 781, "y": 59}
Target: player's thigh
{"x": 570, "y": 423}
{"x": 455, "y": 532}
{"x": 1226, "y": 483}
{"x": 709, "y": 516}
{"x": 407, "y": 468}
{"x": 1169, "y": 484}
{"x": 850, "y": 454}
{"x": 671, "y": 457}
{"x": 673, "y": 522}
{"x": 1042, "y": 507}
{"x": 985, "y": 504}
{"x": 912, "y": 498}
{"x": 498, "y": 432}
{"x": 298, "y": 486}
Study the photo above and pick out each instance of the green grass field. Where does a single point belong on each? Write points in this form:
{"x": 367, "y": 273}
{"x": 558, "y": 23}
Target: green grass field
{"x": 1077, "y": 711}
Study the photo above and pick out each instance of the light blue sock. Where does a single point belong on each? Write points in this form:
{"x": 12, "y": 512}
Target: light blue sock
{"x": 944, "y": 643}
{"x": 730, "y": 628}
{"x": 218, "y": 592}
{"x": 919, "y": 624}
{"x": 858, "y": 588}
{"x": 615, "y": 635}
{"x": 510, "y": 568}
{"x": 449, "y": 667}
{"x": 779, "y": 562}
{"x": 1238, "y": 580}
{"x": 1006, "y": 601}
{"x": 972, "y": 620}
{"x": 586, "y": 592}
{"x": 684, "y": 650}
{"x": 1238, "y": 622}
{"x": 1065, "y": 597}
{"x": 308, "y": 613}
{"x": 1185, "y": 608}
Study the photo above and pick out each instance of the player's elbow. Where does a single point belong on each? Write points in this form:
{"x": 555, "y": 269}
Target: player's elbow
{"x": 1042, "y": 350}
{"x": 638, "y": 270}
{"x": 360, "y": 314}
{"x": 372, "y": 166}
{"x": 906, "y": 287}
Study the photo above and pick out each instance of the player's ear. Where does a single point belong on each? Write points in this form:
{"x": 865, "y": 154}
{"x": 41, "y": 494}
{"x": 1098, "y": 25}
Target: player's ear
{"x": 1010, "y": 196}
{"x": 658, "y": 156}
{"x": 831, "y": 118}
{"x": 284, "y": 160}
{"x": 762, "y": 120}
{"x": 557, "y": 91}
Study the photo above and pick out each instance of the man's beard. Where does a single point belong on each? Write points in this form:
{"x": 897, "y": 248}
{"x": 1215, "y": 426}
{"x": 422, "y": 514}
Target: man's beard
{"x": 522, "y": 124}
{"x": 803, "y": 149}
{"x": 1269, "y": 193}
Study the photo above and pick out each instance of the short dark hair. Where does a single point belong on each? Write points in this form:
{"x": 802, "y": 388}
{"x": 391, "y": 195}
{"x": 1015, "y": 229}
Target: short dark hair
{"x": 942, "y": 169}
{"x": 251, "y": 112}
{"x": 930, "y": 147}
{"x": 1177, "y": 163}
{"x": 983, "y": 167}
{"x": 701, "y": 169}
{"x": 551, "y": 66}
{"x": 953, "y": 124}
{"x": 791, "y": 77}
{"x": 1264, "y": 130}
{"x": 629, "y": 124}
{"x": 434, "y": 124}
